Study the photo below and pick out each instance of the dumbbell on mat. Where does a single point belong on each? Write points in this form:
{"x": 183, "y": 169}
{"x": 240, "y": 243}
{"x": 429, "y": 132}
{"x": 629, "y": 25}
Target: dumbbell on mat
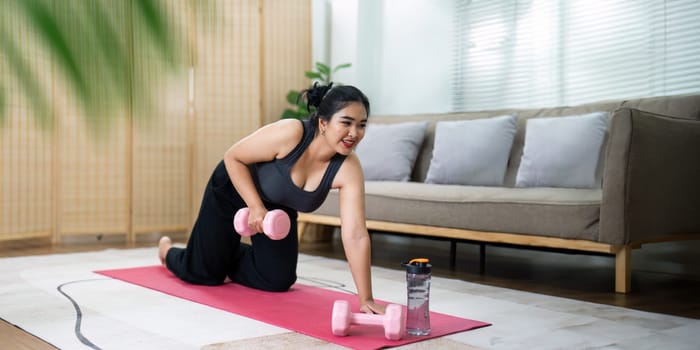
{"x": 393, "y": 321}
{"x": 276, "y": 223}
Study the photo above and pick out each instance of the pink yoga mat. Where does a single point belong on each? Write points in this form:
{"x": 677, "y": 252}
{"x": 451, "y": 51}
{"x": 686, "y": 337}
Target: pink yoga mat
{"x": 303, "y": 309}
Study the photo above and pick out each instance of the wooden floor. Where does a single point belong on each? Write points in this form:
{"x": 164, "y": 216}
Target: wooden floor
{"x": 665, "y": 276}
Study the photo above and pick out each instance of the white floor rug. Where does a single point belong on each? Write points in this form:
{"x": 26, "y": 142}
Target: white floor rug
{"x": 59, "y": 299}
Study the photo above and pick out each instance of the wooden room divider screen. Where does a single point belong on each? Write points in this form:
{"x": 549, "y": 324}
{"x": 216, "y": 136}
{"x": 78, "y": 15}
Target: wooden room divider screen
{"x": 146, "y": 174}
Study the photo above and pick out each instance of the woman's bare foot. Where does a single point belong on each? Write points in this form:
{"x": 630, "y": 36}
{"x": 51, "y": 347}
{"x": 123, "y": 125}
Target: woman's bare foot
{"x": 163, "y": 246}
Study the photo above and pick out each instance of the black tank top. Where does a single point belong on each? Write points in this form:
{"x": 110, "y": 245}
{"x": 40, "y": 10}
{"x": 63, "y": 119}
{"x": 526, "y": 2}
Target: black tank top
{"x": 274, "y": 182}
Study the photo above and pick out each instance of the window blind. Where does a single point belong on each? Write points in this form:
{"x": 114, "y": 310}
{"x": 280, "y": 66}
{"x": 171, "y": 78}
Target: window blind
{"x": 539, "y": 53}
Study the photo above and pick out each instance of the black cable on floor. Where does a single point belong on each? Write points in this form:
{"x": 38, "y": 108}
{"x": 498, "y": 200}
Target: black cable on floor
{"x": 79, "y": 313}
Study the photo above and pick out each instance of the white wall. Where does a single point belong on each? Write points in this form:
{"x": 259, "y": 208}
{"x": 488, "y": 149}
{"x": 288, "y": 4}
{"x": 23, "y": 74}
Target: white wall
{"x": 413, "y": 44}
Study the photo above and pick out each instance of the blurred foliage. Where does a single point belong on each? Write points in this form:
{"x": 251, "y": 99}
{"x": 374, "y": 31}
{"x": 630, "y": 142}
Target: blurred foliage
{"x": 105, "y": 56}
{"x": 322, "y": 74}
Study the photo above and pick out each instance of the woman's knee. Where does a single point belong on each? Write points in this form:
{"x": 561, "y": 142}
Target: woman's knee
{"x": 281, "y": 285}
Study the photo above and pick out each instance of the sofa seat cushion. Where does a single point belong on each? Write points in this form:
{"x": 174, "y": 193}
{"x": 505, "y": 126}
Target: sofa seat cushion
{"x": 553, "y": 212}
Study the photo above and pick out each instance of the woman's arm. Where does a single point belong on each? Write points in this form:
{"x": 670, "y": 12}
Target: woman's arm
{"x": 356, "y": 242}
{"x": 267, "y": 143}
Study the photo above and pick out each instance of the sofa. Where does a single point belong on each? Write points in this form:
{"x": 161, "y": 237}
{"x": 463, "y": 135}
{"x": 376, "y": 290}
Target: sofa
{"x": 635, "y": 178}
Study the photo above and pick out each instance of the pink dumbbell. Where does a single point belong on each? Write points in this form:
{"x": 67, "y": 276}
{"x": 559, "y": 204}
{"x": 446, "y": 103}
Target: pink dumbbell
{"x": 276, "y": 223}
{"x": 393, "y": 321}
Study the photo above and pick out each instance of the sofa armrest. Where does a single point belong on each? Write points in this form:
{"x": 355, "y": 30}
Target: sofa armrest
{"x": 651, "y": 180}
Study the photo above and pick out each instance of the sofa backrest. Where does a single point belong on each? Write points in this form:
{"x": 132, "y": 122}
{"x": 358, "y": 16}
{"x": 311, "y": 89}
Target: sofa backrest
{"x": 683, "y": 106}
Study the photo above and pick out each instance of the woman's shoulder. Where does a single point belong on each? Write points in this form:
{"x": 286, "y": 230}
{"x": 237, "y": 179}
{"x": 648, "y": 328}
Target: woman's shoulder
{"x": 287, "y": 129}
{"x": 288, "y": 124}
{"x": 350, "y": 171}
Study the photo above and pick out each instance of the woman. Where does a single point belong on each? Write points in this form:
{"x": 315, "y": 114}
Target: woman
{"x": 289, "y": 165}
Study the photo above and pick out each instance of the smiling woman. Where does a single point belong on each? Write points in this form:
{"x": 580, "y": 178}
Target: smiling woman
{"x": 289, "y": 165}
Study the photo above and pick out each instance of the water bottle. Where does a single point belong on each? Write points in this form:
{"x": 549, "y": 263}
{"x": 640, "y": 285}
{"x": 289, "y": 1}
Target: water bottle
{"x": 418, "y": 283}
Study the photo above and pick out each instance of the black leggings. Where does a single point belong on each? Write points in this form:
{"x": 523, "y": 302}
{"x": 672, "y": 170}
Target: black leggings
{"x": 214, "y": 249}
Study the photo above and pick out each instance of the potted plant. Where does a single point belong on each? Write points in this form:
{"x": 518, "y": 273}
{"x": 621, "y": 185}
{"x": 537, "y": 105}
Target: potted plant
{"x": 322, "y": 74}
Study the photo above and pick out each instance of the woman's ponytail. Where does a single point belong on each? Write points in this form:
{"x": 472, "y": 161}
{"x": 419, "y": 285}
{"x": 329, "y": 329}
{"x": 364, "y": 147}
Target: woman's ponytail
{"x": 326, "y": 100}
{"x": 314, "y": 95}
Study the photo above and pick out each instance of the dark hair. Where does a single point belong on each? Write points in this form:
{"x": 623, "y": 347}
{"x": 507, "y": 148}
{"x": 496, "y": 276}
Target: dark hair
{"x": 328, "y": 99}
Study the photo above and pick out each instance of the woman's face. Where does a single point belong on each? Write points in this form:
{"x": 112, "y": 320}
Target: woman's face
{"x": 346, "y": 128}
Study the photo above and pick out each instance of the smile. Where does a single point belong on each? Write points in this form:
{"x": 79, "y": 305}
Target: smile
{"x": 348, "y": 143}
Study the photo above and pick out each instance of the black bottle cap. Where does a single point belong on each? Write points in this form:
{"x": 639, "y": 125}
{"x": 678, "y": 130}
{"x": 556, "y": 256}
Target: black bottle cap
{"x": 418, "y": 266}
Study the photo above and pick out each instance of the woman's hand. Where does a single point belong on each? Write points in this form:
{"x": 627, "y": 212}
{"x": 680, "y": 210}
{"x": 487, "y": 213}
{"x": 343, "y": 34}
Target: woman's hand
{"x": 370, "y": 307}
{"x": 255, "y": 218}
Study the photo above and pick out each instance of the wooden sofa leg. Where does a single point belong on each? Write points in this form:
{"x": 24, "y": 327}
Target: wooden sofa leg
{"x": 453, "y": 254}
{"x": 310, "y": 232}
{"x": 301, "y": 225}
{"x": 482, "y": 258}
{"x": 623, "y": 269}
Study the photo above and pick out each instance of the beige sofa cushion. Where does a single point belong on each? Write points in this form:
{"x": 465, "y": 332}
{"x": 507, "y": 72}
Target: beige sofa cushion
{"x": 562, "y": 151}
{"x": 472, "y": 152}
{"x": 554, "y": 212}
{"x": 388, "y": 151}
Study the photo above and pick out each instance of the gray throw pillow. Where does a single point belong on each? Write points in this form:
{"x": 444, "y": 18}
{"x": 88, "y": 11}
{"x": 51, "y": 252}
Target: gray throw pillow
{"x": 388, "y": 151}
{"x": 472, "y": 152}
{"x": 562, "y": 151}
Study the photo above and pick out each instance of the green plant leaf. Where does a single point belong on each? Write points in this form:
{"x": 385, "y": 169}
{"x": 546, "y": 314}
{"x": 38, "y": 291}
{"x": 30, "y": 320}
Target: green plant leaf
{"x": 322, "y": 74}
{"x": 29, "y": 85}
{"x": 40, "y": 16}
{"x": 98, "y": 50}
{"x": 313, "y": 75}
{"x": 341, "y": 66}
{"x": 156, "y": 22}
{"x": 293, "y": 97}
{"x": 288, "y": 113}
{"x": 3, "y": 112}
{"x": 112, "y": 49}
{"x": 323, "y": 69}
